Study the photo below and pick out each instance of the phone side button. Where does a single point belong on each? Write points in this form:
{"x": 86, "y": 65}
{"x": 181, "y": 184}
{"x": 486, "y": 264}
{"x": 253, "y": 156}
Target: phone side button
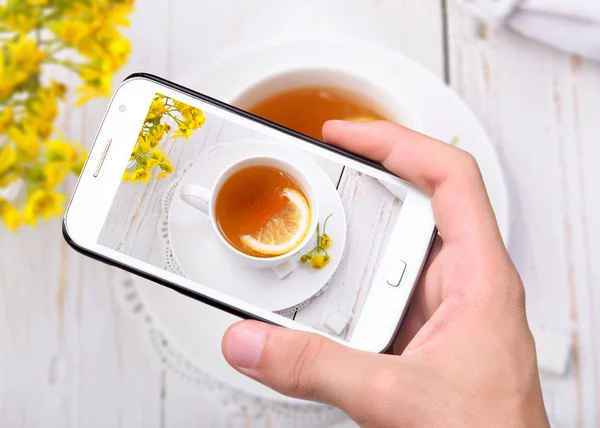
{"x": 395, "y": 273}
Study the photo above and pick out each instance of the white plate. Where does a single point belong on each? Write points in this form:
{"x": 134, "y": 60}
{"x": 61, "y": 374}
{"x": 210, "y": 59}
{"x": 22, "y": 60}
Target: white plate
{"x": 440, "y": 111}
{"x": 203, "y": 258}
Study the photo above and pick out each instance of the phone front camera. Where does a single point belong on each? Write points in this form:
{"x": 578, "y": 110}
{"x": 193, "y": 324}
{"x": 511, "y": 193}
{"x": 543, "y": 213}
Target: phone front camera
{"x": 122, "y": 108}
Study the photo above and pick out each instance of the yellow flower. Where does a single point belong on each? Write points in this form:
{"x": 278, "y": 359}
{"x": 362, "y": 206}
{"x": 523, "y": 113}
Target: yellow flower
{"x": 19, "y": 59}
{"x": 156, "y": 110}
{"x": 26, "y": 55}
{"x": 7, "y": 119}
{"x": 97, "y": 81}
{"x": 10, "y": 75}
{"x": 72, "y": 32}
{"x": 43, "y": 109}
{"x": 58, "y": 89}
{"x": 78, "y": 161}
{"x": 126, "y": 175}
{"x": 151, "y": 163}
{"x": 21, "y": 22}
{"x": 199, "y": 121}
{"x": 140, "y": 175}
{"x": 185, "y": 130}
{"x": 142, "y": 145}
{"x": 70, "y": 154}
{"x": 158, "y": 155}
{"x": 325, "y": 241}
{"x": 118, "y": 52}
{"x": 61, "y": 151}
{"x": 26, "y": 139}
{"x": 89, "y": 48}
{"x": 319, "y": 261}
{"x": 167, "y": 169}
{"x": 156, "y": 134}
{"x": 117, "y": 14}
{"x": 42, "y": 203}
{"x": 8, "y": 159}
{"x": 10, "y": 215}
{"x": 54, "y": 173}
{"x": 37, "y": 2}
{"x": 181, "y": 106}
{"x": 194, "y": 115}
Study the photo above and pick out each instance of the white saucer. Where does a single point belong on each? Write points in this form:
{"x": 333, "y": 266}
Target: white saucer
{"x": 203, "y": 258}
{"x": 197, "y": 328}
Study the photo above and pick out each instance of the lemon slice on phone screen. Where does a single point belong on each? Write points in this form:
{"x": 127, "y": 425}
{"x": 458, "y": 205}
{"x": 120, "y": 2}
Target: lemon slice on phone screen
{"x": 285, "y": 230}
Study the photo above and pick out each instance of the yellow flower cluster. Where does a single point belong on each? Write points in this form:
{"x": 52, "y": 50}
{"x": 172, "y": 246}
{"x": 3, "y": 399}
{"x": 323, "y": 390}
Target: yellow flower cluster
{"x": 318, "y": 260}
{"x": 34, "y": 157}
{"x": 148, "y": 153}
{"x": 91, "y": 27}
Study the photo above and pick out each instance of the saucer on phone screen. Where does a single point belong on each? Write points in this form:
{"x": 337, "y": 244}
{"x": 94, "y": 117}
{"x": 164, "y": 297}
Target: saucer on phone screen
{"x": 201, "y": 257}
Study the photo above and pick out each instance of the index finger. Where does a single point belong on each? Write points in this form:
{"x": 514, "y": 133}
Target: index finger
{"x": 450, "y": 176}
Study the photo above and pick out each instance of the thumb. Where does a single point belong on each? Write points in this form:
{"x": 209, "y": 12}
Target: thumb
{"x": 302, "y": 365}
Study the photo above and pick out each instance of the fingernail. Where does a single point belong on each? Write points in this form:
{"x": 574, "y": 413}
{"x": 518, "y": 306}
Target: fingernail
{"x": 244, "y": 344}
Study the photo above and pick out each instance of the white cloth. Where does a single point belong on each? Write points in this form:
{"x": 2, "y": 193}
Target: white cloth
{"x": 570, "y": 25}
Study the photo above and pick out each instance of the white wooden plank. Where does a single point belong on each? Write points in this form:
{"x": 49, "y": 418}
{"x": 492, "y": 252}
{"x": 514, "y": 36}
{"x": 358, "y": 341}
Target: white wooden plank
{"x": 371, "y": 212}
{"x": 220, "y": 28}
{"x": 538, "y": 105}
{"x": 586, "y": 105}
{"x": 70, "y": 357}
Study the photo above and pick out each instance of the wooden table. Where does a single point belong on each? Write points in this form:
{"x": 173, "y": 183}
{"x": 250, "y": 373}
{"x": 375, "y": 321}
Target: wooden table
{"x": 72, "y": 357}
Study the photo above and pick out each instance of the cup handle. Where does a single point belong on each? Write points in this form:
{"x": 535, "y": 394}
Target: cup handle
{"x": 196, "y": 196}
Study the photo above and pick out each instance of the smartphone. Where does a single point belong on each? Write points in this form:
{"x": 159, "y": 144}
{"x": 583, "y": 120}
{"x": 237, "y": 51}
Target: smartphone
{"x": 248, "y": 216}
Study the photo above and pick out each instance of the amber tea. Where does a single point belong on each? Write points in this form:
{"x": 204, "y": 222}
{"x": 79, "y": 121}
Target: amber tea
{"x": 305, "y": 109}
{"x": 254, "y": 202}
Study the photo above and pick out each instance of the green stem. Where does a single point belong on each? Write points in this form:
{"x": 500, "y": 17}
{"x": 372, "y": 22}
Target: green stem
{"x": 57, "y": 49}
{"x": 318, "y": 234}
{"x": 65, "y": 63}
{"x": 325, "y": 223}
{"x": 179, "y": 122}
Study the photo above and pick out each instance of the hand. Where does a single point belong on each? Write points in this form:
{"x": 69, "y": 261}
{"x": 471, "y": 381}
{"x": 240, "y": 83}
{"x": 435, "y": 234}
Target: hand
{"x": 465, "y": 356}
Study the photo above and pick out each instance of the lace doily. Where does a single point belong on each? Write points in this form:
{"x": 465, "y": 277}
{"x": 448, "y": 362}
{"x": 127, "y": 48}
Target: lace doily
{"x": 232, "y": 401}
{"x": 227, "y": 399}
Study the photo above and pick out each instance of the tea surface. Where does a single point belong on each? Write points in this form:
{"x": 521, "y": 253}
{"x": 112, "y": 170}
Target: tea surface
{"x": 248, "y": 199}
{"x": 306, "y": 109}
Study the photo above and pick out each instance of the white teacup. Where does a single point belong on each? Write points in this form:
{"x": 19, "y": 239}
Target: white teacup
{"x": 203, "y": 199}
{"x": 252, "y": 91}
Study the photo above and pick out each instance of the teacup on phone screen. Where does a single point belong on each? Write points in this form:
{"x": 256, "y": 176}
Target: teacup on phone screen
{"x": 263, "y": 209}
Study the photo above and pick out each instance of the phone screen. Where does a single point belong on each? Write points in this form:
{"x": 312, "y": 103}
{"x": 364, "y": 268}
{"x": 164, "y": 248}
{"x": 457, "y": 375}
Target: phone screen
{"x": 283, "y": 228}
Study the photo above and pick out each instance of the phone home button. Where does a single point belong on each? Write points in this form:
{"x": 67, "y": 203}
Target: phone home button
{"x": 395, "y": 273}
